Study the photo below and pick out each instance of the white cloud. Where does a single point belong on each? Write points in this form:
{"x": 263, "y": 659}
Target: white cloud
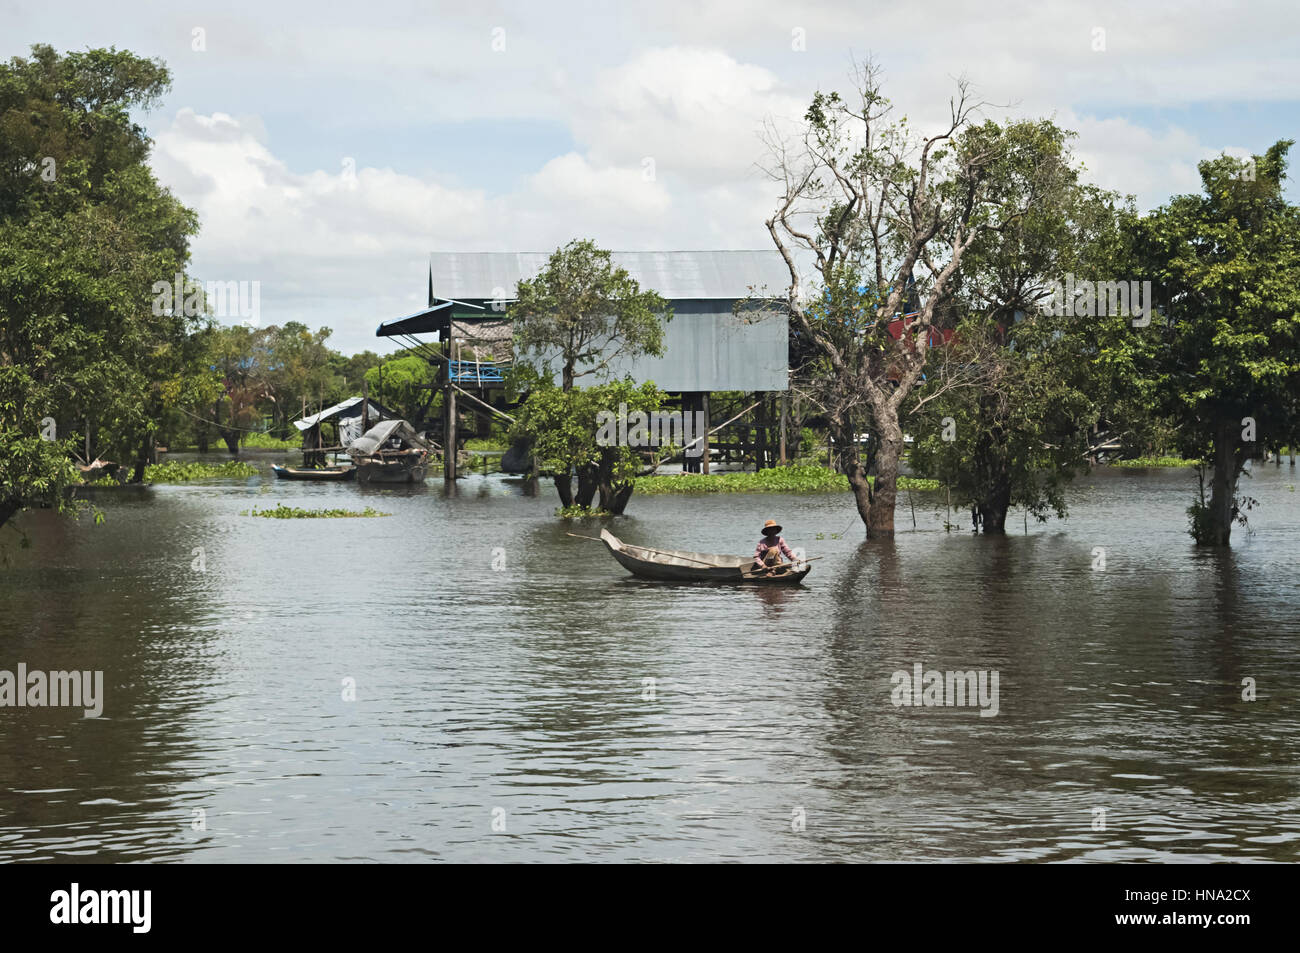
{"x": 696, "y": 112}
{"x": 611, "y": 193}
{"x": 347, "y": 248}
{"x": 1131, "y": 159}
{"x": 664, "y": 120}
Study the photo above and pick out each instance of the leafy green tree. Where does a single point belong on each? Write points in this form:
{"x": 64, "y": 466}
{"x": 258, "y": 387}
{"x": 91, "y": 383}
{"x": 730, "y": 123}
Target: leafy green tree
{"x": 407, "y": 385}
{"x": 564, "y": 428}
{"x": 1019, "y": 433}
{"x": 582, "y": 311}
{"x": 300, "y": 372}
{"x": 85, "y": 231}
{"x": 1226, "y": 263}
{"x": 350, "y": 371}
{"x": 244, "y": 360}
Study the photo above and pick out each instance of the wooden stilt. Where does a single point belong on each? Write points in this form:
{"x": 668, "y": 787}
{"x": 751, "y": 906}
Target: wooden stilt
{"x": 785, "y": 425}
{"x": 708, "y": 425}
{"x": 449, "y": 421}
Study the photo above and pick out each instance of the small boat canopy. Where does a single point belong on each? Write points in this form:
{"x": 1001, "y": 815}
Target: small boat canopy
{"x": 374, "y": 438}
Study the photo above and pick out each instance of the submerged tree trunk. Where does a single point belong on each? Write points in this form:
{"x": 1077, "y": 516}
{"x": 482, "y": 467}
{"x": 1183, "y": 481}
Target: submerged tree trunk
{"x": 614, "y": 497}
{"x": 564, "y": 487}
{"x": 143, "y": 457}
{"x": 876, "y": 502}
{"x": 846, "y": 456}
{"x": 1229, "y": 458}
{"x": 231, "y": 437}
{"x": 993, "y": 508}
{"x": 880, "y": 522}
{"x": 588, "y": 486}
{"x": 861, "y": 487}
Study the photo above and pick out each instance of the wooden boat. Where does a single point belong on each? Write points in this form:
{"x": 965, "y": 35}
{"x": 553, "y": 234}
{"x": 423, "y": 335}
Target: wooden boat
{"x": 679, "y": 565}
{"x": 333, "y": 474}
{"x": 394, "y": 466}
{"x": 390, "y": 452}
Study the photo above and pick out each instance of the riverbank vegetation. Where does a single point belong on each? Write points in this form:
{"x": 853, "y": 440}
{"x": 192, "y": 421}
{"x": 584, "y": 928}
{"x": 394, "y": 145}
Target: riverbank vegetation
{"x": 1144, "y": 462}
{"x": 791, "y": 479}
{"x": 94, "y": 363}
{"x": 267, "y": 441}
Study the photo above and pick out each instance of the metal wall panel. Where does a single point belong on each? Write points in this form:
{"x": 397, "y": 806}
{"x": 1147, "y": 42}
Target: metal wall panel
{"x": 707, "y": 348}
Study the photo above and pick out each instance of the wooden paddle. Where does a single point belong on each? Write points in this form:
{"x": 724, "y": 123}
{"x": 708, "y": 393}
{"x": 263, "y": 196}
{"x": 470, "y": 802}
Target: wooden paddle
{"x": 765, "y": 574}
{"x": 649, "y": 550}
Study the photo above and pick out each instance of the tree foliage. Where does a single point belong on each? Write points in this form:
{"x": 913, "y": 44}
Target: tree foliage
{"x": 563, "y": 425}
{"x": 85, "y": 230}
{"x": 1227, "y": 365}
{"x": 405, "y": 384}
{"x": 1021, "y": 433}
{"x": 583, "y": 312}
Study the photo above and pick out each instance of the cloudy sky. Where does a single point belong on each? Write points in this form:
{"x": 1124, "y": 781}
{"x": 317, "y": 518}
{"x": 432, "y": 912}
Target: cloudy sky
{"x": 329, "y": 147}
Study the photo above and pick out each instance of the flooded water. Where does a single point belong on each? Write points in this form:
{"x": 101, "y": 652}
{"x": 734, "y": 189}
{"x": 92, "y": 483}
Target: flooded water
{"x": 503, "y": 705}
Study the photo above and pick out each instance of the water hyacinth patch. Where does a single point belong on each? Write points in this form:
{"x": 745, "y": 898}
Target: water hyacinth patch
{"x": 282, "y": 512}
{"x": 1138, "y": 462}
{"x": 794, "y": 479}
{"x": 176, "y": 472}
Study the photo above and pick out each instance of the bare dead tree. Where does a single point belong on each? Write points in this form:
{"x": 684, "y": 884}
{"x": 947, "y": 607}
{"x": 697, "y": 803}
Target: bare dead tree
{"x": 882, "y": 217}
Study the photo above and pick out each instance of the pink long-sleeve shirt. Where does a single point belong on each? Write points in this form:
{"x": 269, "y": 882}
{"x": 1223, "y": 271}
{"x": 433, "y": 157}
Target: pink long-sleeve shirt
{"x": 764, "y": 545}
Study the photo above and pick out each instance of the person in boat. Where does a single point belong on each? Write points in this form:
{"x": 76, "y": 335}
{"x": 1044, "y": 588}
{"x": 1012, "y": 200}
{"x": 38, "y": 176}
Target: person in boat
{"x": 771, "y": 547}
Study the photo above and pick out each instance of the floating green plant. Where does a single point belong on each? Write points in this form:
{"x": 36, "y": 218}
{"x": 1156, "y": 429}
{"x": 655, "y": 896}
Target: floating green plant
{"x": 794, "y": 479}
{"x": 177, "y": 472}
{"x": 282, "y": 512}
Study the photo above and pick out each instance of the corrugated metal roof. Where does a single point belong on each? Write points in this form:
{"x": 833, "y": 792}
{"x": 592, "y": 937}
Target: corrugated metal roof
{"x": 308, "y": 422}
{"x": 678, "y": 275}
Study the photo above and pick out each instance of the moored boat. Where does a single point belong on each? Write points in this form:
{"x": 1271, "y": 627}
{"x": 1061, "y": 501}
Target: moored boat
{"x": 679, "y": 565}
{"x": 332, "y": 474}
{"x": 401, "y": 466}
{"x": 390, "y": 452}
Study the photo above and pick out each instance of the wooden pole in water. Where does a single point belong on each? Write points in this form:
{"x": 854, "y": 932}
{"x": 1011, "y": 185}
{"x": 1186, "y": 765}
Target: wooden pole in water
{"x": 449, "y": 420}
{"x": 785, "y": 424}
{"x": 704, "y": 461}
